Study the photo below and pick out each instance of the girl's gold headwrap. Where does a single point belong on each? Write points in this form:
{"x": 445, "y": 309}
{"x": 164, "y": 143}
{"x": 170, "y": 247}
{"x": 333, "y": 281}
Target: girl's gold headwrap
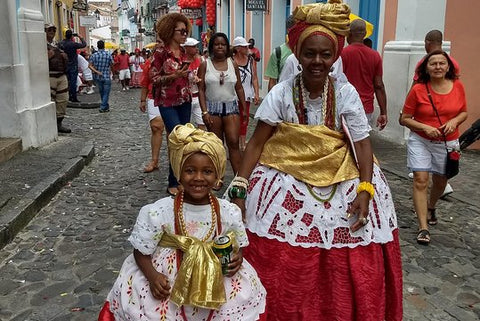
{"x": 186, "y": 140}
{"x": 328, "y": 19}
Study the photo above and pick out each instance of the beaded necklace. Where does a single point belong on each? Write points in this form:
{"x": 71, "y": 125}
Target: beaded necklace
{"x": 328, "y": 102}
{"x": 181, "y": 218}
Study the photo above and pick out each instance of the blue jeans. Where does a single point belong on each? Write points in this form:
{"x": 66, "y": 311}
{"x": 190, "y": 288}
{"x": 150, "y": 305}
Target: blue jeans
{"x": 72, "y": 74}
{"x": 104, "y": 86}
{"x": 173, "y": 116}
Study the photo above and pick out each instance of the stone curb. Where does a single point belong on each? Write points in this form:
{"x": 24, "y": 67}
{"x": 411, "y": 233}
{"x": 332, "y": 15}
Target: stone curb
{"x": 41, "y": 194}
{"x": 85, "y": 105}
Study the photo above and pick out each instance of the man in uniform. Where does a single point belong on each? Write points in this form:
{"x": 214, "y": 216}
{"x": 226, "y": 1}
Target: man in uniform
{"x": 57, "y": 66}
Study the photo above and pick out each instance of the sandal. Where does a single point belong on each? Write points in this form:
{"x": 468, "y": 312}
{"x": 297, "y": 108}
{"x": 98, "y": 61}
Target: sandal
{"x": 432, "y": 220}
{"x": 152, "y": 166}
{"x": 423, "y": 237}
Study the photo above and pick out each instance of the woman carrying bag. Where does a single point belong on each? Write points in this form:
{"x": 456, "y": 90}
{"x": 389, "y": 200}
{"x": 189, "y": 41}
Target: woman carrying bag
{"x": 433, "y": 110}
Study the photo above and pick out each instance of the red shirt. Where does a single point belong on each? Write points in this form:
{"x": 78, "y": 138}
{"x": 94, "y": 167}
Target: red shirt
{"x": 123, "y": 61}
{"x": 256, "y": 53}
{"x": 361, "y": 65}
{"x": 448, "y": 106}
{"x": 454, "y": 62}
{"x": 177, "y": 92}
{"x": 145, "y": 80}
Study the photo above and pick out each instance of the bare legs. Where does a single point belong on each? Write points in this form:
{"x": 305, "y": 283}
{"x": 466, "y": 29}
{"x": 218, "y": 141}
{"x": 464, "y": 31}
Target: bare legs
{"x": 228, "y": 126}
{"x": 157, "y": 127}
{"x": 420, "y": 195}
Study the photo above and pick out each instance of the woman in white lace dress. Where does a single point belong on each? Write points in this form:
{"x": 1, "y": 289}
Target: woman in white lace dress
{"x": 321, "y": 223}
{"x": 173, "y": 274}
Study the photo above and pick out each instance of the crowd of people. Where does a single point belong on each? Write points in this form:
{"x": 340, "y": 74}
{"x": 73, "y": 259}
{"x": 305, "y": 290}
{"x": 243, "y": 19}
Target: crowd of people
{"x": 309, "y": 211}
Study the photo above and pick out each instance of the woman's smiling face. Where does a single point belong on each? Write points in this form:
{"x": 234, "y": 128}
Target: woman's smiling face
{"x": 317, "y": 56}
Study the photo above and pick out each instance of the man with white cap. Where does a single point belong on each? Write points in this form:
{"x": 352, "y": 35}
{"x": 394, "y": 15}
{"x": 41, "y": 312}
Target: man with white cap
{"x": 195, "y": 60}
{"x": 247, "y": 66}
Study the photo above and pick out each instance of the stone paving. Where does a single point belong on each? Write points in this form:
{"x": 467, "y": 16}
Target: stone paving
{"x": 62, "y": 265}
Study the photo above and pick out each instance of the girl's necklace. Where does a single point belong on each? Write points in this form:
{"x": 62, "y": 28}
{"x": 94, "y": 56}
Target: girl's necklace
{"x": 181, "y": 218}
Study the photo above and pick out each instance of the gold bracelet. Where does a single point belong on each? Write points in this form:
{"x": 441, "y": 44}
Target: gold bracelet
{"x": 204, "y": 113}
{"x": 366, "y": 187}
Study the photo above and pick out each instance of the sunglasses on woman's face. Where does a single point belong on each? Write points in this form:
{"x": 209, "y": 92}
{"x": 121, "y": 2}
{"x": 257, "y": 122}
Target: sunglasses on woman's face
{"x": 222, "y": 78}
{"x": 182, "y": 31}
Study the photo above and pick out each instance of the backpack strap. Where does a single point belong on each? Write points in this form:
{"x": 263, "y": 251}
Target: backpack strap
{"x": 278, "y": 54}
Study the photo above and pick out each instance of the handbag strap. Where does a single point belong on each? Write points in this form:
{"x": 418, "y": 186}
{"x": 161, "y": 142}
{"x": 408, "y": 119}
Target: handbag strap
{"x": 436, "y": 113}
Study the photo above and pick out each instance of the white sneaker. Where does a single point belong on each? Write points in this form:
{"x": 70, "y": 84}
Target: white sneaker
{"x": 83, "y": 91}
{"x": 447, "y": 191}
{"x": 123, "y": 89}
{"x": 90, "y": 91}
{"x": 128, "y": 88}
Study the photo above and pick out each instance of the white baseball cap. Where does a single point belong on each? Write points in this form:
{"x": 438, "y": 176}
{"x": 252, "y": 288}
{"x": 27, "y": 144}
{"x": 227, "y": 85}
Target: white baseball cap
{"x": 191, "y": 42}
{"x": 240, "y": 41}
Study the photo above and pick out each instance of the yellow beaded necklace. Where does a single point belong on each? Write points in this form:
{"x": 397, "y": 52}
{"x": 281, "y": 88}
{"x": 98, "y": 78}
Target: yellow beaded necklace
{"x": 181, "y": 219}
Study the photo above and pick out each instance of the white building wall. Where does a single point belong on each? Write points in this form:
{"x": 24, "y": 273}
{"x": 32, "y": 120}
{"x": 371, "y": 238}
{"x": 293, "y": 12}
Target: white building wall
{"x": 414, "y": 19}
{"x": 25, "y": 108}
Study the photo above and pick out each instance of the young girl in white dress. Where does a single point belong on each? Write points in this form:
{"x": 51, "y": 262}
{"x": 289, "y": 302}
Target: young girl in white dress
{"x": 173, "y": 273}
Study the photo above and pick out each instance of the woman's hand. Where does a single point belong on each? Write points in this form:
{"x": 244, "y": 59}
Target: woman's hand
{"x": 449, "y": 127}
{"x": 207, "y": 119}
{"x": 235, "y": 263}
{"x": 143, "y": 106}
{"x": 159, "y": 286}
{"x": 256, "y": 99}
{"x": 181, "y": 72}
{"x": 241, "y": 204}
{"x": 360, "y": 208}
{"x": 432, "y": 132}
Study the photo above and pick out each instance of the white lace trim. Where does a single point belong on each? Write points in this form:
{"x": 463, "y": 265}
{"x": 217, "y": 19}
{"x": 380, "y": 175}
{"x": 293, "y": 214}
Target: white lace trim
{"x": 280, "y": 207}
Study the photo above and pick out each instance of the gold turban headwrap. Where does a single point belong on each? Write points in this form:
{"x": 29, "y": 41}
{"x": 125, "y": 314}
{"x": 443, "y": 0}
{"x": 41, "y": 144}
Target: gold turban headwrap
{"x": 330, "y": 19}
{"x": 185, "y": 140}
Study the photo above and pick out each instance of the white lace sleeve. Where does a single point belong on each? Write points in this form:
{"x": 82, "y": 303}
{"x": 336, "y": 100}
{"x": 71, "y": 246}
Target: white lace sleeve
{"x": 350, "y": 106}
{"x": 277, "y": 106}
{"x": 232, "y": 221}
{"x": 150, "y": 225}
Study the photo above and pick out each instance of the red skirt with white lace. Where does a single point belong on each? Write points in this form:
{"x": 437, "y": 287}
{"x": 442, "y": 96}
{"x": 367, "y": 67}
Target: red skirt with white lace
{"x": 311, "y": 264}
{"x": 363, "y": 283}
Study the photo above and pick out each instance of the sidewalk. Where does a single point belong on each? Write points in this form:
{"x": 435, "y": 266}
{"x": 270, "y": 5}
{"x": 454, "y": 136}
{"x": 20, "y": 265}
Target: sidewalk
{"x": 32, "y": 178}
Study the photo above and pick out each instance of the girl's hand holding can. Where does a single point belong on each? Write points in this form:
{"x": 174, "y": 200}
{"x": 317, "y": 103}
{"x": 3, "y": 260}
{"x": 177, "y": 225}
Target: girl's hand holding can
{"x": 235, "y": 263}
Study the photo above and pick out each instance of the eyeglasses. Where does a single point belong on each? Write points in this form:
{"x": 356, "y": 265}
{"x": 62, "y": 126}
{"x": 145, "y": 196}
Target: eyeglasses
{"x": 222, "y": 78}
{"x": 182, "y": 31}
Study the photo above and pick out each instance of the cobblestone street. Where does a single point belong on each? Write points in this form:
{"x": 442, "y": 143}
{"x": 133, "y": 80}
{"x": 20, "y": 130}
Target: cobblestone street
{"x": 62, "y": 265}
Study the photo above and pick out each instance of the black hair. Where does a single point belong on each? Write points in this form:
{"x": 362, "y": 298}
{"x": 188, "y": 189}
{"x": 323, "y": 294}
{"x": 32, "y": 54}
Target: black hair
{"x": 212, "y": 41}
{"x": 68, "y": 34}
{"x": 101, "y": 44}
{"x": 424, "y": 77}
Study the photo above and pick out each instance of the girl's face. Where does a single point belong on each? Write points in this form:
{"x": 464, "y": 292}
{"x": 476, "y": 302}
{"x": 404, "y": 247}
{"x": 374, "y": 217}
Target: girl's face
{"x": 317, "y": 56}
{"x": 198, "y": 177}
{"x": 219, "y": 47}
{"x": 180, "y": 34}
{"x": 437, "y": 66}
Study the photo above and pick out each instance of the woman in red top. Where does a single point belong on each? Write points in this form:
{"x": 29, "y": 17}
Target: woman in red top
{"x": 429, "y": 132}
{"x": 169, "y": 74}
{"x": 147, "y": 105}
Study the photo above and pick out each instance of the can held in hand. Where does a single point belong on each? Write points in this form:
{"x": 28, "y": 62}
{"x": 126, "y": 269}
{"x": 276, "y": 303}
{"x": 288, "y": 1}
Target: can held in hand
{"x": 222, "y": 247}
